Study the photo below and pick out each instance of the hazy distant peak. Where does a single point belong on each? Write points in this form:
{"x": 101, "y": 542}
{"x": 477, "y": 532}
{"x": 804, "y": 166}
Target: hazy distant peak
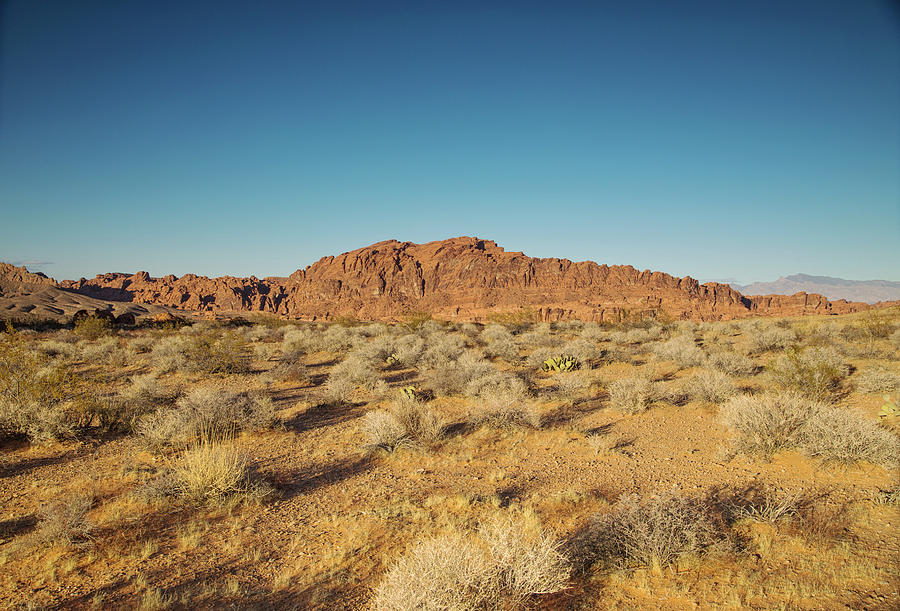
{"x": 869, "y": 291}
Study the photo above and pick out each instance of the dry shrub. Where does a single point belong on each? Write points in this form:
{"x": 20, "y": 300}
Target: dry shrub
{"x": 711, "y": 387}
{"x": 732, "y": 363}
{"x": 876, "y": 381}
{"x": 653, "y": 532}
{"x": 454, "y": 376}
{"x": 764, "y": 339}
{"x": 587, "y": 353}
{"x": 105, "y": 351}
{"x": 65, "y": 521}
{"x": 223, "y": 352}
{"x": 408, "y": 349}
{"x": 35, "y": 396}
{"x": 573, "y": 385}
{"x": 502, "y": 402}
{"x": 93, "y": 327}
{"x": 839, "y": 435}
{"x": 169, "y": 353}
{"x": 761, "y": 502}
{"x": 816, "y": 373}
{"x": 505, "y": 348}
{"x": 56, "y": 348}
{"x": 385, "y": 431}
{"x": 353, "y": 372}
{"x": 592, "y": 332}
{"x": 207, "y": 412}
{"x": 631, "y": 395}
{"x": 212, "y": 472}
{"x": 419, "y": 421}
{"x": 527, "y": 561}
{"x": 682, "y": 349}
{"x": 289, "y": 369}
{"x": 442, "y": 350}
{"x": 503, "y": 568}
{"x": 407, "y": 422}
{"x": 445, "y": 573}
{"x": 768, "y": 423}
{"x": 765, "y": 424}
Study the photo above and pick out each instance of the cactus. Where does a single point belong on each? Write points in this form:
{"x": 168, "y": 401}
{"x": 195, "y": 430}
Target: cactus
{"x": 889, "y": 409}
{"x": 561, "y": 363}
{"x": 410, "y": 392}
{"x": 392, "y": 361}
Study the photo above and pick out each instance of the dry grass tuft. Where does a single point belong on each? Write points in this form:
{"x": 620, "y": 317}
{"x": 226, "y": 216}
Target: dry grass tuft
{"x": 211, "y": 472}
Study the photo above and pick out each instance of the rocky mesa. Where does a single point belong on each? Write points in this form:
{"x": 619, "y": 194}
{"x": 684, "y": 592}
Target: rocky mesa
{"x": 461, "y": 278}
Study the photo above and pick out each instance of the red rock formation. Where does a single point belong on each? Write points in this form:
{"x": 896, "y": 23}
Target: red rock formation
{"x": 459, "y": 279}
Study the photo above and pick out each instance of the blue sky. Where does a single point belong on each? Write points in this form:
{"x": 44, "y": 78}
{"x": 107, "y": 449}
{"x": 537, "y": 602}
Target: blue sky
{"x": 738, "y": 140}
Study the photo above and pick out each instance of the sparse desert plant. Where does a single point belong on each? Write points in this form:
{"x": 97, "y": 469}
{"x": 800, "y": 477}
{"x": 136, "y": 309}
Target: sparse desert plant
{"x": 653, "y": 532}
{"x": 104, "y": 351}
{"x": 571, "y": 387}
{"x": 732, "y": 363}
{"x": 65, "y": 521}
{"x": 93, "y": 327}
{"x": 500, "y": 342}
{"x": 766, "y": 503}
{"x": 222, "y": 352}
{"x": 878, "y": 380}
{"x": 385, "y": 431}
{"x": 765, "y": 424}
{"x": 527, "y": 560}
{"x": 444, "y": 573}
{"x": 631, "y": 395}
{"x": 816, "y": 373}
{"x": 170, "y": 353}
{"x": 711, "y": 386}
{"x": 844, "y": 436}
{"x": 585, "y": 352}
{"x": 765, "y": 339}
{"x": 212, "y": 472}
{"x": 206, "y": 413}
{"x": 504, "y": 567}
{"x": 56, "y": 348}
{"x": 453, "y": 377}
{"x": 592, "y": 332}
{"x": 352, "y": 373}
{"x": 442, "y": 350}
{"x": 289, "y": 370}
{"x": 419, "y": 421}
{"x": 682, "y": 349}
{"x": 502, "y": 402}
{"x": 35, "y": 395}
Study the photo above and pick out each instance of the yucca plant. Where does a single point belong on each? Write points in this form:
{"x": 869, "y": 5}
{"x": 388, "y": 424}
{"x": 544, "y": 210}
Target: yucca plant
{"x": 561, "y": 363}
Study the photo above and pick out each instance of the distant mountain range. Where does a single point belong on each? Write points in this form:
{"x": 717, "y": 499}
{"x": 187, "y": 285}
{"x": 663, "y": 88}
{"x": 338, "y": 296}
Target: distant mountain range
{"x": 868, "y": 291}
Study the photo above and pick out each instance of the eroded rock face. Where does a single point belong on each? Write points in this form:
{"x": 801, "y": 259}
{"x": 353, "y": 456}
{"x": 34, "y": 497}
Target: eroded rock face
{"x": 458, "y": 279}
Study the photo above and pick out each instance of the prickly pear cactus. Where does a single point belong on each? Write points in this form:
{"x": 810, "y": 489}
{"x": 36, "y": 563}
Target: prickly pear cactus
{"x": 890, "y": 408}
{"x": 392, "y": 361}
{"x": 561, "y": 363}
{"x": 410, "y": 392}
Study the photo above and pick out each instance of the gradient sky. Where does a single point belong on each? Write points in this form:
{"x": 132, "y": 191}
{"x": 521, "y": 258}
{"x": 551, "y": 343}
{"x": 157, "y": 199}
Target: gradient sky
{"x": 741, "y": 140}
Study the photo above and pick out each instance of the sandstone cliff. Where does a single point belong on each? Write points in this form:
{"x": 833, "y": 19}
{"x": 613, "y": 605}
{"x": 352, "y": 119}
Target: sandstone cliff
{"x": 459, "y": 279}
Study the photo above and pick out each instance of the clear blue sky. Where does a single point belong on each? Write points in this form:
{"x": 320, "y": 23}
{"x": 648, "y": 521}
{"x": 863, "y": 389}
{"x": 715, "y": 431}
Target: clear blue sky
{"x": 717, "y": 139}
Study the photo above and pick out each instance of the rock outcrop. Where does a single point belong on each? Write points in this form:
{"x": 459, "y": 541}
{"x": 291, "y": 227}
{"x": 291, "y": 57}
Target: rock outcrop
{"x": 458, "y": 279}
